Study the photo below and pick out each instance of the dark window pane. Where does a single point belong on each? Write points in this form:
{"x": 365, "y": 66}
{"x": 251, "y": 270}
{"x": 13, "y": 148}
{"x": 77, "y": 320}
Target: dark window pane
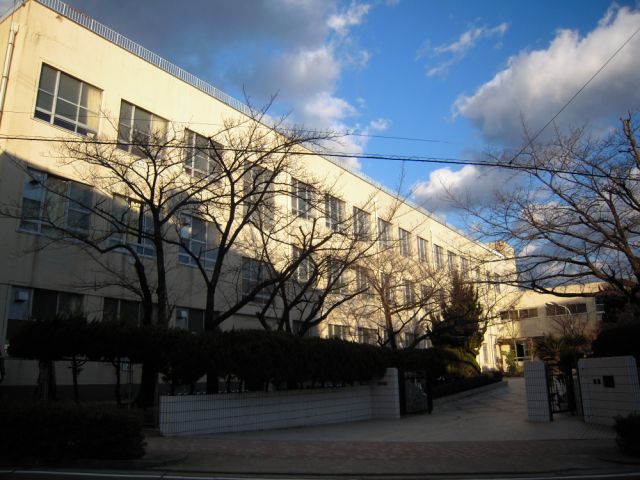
{"x": 48, "y": 79}
{"x": 44, "y": 304}
{"x": 68, "y": 89}
{"x": 110, "y": 310}
{"x": 45, "y": 102}
{"x": 129, "y": 311}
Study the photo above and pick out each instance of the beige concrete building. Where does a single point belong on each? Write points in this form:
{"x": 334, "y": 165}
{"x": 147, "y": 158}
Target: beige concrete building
{"x": 531, "y": 316}
{"x": 67, "y": 77}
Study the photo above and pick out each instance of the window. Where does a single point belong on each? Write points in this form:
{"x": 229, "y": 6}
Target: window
{"x": 200, "y": 155}
{"x": 367, "y": 336}
{"x": 553, "y": 309}
{"x": 305, "y": 268}
{"x": 423, "y": 249}
{"x": 464, "y": 267}
{"x": 523, "y": 351}
{"x": 301, "y": 199}
{"x": 196, "y": 240}
{"x": 362, "y": 279}
{"x": 254, "y": 273}
{"x": 52, "y": 204}
{"x": 519, "y": 314}
{"x": 138, "y": 129}
{"x": 452, "y": 262}
{"x": 339, "y": 331}
{"x": 133, "y": 225}
{"x": 39, "y": 304}
{"x": 410, "y": 339}
{"x": 528, "y": 313}
{"x": 67, "y": 102}
{"x": 438, "y": 256}
{"x": 496, "y": 283}
{"x": 405, "y": 244}
{"x": 336, "y": 276}
{"x": 361, "y": 224}
{"x": 191, "y": 319}
{"x": 384, "y": 233}
{"x": 118, "y": 310}
{"x": 334, "y": 213}
{"x": 426, "y": 294}
{"x": 409, "y": 296}
{"x": 258, "y": 193}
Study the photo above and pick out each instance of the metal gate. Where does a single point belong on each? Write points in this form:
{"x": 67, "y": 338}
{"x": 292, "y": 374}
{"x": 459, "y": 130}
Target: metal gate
{"x": 415, "y": 392}
{"x": 562, "y": 393}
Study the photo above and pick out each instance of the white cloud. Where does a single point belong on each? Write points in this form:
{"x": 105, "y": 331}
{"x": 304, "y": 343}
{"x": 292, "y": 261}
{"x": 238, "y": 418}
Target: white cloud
{"x": 325, "y": 108}
{"x": 354, "y": 15}
{"x": 536, "y": 84}
{"x": 470, "y": 184}
{"x": 379, "y": 124}
{"x": 458, "y": 49}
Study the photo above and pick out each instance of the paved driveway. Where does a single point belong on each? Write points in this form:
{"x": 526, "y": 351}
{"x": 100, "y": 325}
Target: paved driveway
{"x": 487, "y": 433}
{"x": 495, "y": 415}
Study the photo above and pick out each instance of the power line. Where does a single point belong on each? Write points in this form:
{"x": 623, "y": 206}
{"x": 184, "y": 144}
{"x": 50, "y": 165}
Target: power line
{"x": 337, "y": 133}
{"x": 340, "y": 155}
{"x": 580, "y": 90}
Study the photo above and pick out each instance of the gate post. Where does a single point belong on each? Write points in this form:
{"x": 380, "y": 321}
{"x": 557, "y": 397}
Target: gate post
{"x": 537, "y": 390}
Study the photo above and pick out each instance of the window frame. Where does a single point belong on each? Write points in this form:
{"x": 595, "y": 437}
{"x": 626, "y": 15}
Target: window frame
{"x": 193, "y": 151}
{"x": 135, "y": 233}
{"x": 438, "y": 256}
{"x": 334, "y": 213}
{"x": 249, "y": 281}
{"x": 404, "y": 242}
{"x": 191, "y": 313}
{"x": 63, "y": 202}
{"x": 302, "y": 195}
{"x": 361, "y": 224}
{"x": 423, "y": 249}
{"x": 41, "y": 113}
{"x": 207, "y": 260}
{"x": 385, "y": 233}
{"x": 131, "y": 144}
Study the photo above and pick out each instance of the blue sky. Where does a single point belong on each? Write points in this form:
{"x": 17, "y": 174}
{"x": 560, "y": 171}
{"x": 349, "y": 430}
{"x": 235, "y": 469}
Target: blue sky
{"x": 463, "y": 73}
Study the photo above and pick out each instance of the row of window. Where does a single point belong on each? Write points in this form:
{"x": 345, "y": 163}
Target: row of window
{"x": 72, "y": 104}
{"x": 551, "y": 310}
{"x": 371, "y": 336}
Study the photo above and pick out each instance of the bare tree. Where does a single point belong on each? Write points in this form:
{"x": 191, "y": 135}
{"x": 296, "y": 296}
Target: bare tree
{"x": 574, "y": 217}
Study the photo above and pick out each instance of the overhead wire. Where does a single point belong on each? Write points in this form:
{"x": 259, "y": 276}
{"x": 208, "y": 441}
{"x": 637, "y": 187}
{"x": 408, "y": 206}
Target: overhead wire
{"x": 340, "y": 155}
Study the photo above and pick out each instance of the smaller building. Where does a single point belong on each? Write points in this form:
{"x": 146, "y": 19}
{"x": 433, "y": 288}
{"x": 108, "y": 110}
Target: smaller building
{"x": 533, "y": 316}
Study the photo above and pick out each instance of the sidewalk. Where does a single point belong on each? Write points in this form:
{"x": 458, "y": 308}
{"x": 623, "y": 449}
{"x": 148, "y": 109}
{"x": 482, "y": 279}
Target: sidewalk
{"x": 484, "y": 434}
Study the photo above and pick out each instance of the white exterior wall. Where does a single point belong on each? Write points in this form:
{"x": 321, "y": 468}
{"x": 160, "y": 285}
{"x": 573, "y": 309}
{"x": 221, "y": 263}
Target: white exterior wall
{"x": 237, "y": 412}
{"x": 601, "y": 403}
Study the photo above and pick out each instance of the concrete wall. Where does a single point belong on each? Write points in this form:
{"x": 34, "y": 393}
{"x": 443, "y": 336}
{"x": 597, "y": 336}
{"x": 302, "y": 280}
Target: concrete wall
{"x": 237, "y": 412}
{"x": 609, "y": 388}
{"x": 535, "y": 381}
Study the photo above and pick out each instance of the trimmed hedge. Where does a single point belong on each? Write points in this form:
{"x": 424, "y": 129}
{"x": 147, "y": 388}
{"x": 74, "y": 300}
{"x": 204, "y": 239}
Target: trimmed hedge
{"x": 628, "y": 434}
{"x": 465, "y": 384}
{"x": 257, "y": 358}
{"x": 54, "y": 431}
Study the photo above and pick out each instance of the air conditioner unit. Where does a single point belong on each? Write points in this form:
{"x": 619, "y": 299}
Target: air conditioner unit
{"x": 21, "y": 296}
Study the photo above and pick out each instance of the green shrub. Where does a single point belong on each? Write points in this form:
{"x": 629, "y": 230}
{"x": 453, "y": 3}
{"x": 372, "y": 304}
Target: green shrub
{"x": 628, "y": 434}
{"x": 54, "y": 431}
